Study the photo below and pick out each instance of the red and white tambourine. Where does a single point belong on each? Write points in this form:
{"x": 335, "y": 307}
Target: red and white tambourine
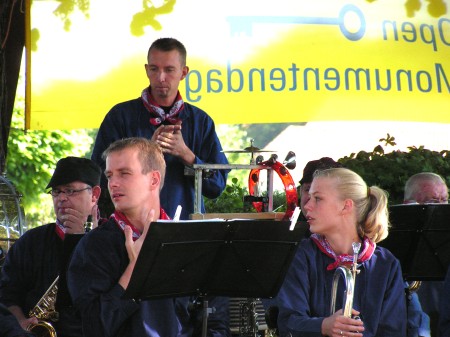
{"x": 286, "y": 178}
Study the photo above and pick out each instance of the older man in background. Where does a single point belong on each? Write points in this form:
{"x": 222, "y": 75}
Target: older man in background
{"x": 428, "y": 188}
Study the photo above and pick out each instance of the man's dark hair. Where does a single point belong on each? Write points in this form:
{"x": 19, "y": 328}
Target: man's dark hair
{"x": 169, "y": 44}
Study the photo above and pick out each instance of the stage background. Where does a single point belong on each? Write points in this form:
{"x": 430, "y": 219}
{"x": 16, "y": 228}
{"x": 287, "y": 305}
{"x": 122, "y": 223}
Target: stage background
{"x": 250, "y": 61}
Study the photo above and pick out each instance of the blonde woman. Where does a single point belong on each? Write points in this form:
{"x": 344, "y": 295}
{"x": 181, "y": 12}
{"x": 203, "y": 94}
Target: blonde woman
{"x": 342, "y": 209}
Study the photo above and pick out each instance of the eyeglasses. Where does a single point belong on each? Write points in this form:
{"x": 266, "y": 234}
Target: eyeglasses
{"x": 68, "y": 192}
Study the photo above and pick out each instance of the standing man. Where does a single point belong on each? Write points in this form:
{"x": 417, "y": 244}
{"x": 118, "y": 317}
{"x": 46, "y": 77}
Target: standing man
{"x": 428, "y": 188}
{"x": 103, "y": 262}
{"x": 185, "y": 133}
{"x": 40, "y": 255}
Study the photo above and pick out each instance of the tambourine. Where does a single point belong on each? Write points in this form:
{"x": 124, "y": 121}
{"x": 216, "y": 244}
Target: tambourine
{"x": 286, "y": 178}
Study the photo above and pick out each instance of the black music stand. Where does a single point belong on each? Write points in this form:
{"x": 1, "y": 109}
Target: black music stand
{"x": 420, "y": 239}
{"x": 234, "y": 258}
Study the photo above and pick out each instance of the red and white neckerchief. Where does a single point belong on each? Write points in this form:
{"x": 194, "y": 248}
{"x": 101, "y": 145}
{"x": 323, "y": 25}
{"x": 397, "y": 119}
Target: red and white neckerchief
{"x": 60, "y": 229}
{"x": 365, "y": 253}
{"x": 159, "y": 116}
{"x": 122, "y": 221}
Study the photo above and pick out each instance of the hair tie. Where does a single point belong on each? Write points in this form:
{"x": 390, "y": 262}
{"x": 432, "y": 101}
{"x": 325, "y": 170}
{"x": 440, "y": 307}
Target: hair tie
{"x": 368, "y": 191}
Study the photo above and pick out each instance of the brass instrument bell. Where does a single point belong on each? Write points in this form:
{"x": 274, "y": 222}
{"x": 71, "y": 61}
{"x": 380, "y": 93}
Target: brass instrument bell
{"x": 349, "y": 278}
{"x": 45, "y": 311}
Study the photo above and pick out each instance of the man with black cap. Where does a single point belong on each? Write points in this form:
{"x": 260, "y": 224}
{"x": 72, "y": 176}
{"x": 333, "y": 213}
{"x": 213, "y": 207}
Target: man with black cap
{"x": 42, "y": 254}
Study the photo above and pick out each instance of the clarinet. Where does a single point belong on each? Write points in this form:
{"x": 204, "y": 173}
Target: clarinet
{"x": 88, "y": 224}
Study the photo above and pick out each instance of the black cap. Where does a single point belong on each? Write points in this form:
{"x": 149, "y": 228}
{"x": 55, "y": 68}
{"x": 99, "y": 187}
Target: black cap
{"x": 320, "y": 164}
{"x": 72, "y": 169}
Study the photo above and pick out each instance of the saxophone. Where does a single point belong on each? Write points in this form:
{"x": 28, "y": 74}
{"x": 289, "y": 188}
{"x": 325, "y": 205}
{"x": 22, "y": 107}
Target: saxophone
{"x": 45, "y": 311}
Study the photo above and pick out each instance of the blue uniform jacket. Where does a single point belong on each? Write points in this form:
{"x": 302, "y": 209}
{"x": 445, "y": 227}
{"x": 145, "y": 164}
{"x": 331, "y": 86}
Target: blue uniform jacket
{"x": 304, "y": 298}
{"x": 95, "y": 269}
{"x": 444, "y": 315}
{"x": 131, "y": 119}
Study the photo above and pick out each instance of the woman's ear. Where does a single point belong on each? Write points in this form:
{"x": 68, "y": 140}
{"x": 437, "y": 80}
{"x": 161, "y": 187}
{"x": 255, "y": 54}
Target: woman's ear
{"x": 348, "y": 206}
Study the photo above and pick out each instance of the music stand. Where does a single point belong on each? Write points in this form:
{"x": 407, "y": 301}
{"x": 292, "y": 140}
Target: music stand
{"x": 234, "y": 258}
{"x": 420, "y": 239}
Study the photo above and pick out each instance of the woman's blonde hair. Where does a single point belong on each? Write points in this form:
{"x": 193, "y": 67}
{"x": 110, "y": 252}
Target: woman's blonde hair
{"x": 370, "y": 202}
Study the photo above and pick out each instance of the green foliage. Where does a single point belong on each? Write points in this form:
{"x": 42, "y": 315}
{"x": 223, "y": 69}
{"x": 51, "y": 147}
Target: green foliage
{"x": 230, "y": 201}
{"x": 234, "y": 137}
{"x": 390, "y": 171}
{"x": 279, "y": 201}
{"x": 31, "y": 159}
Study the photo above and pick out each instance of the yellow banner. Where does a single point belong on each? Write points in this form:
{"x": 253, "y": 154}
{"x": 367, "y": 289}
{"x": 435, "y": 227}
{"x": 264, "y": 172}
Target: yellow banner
{"x": 250, "y": 61}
